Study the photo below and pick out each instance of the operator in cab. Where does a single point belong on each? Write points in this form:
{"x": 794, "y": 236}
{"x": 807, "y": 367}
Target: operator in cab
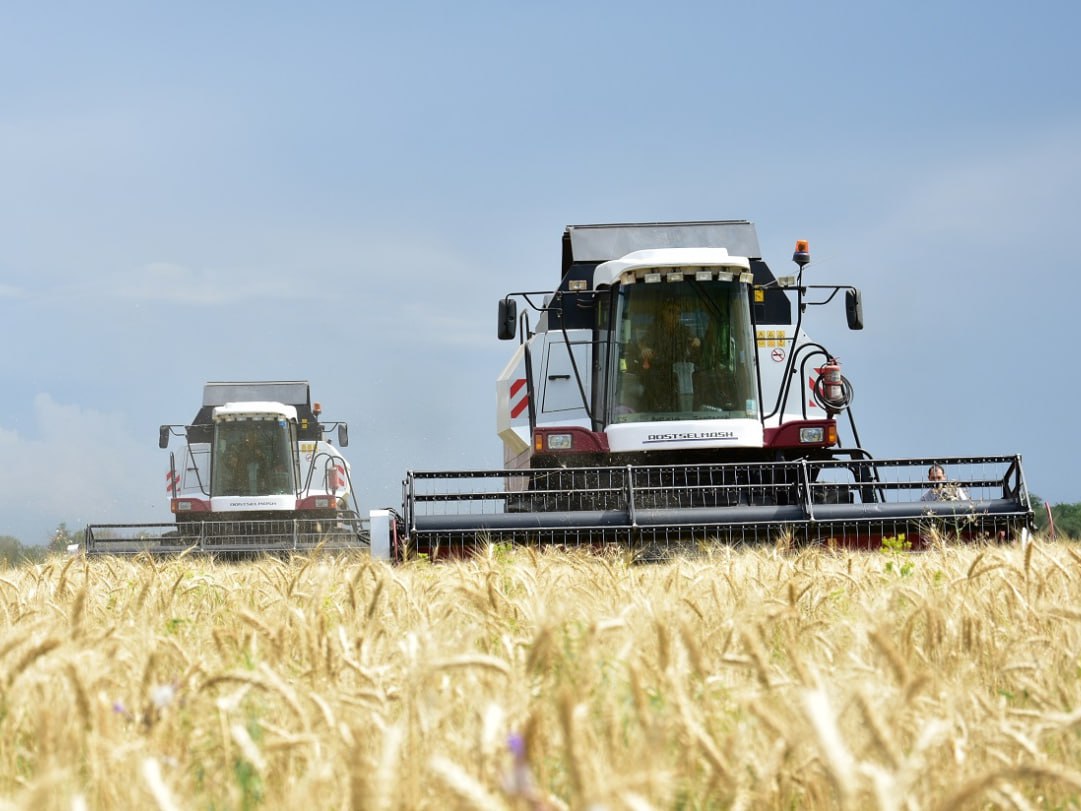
{"x": 665, "y": 353}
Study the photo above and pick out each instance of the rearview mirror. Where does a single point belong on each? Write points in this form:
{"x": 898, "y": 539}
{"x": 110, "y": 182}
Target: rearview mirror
{"x": 163, "y": 436}
{"x": 854, "y": 308}
{"x": 508, "y": 318}
{"x": 343, "y": 435}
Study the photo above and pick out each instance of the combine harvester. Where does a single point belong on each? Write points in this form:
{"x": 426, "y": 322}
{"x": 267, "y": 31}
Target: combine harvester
{"x": 255, "y": 474}
{"x": 668, "y": 396}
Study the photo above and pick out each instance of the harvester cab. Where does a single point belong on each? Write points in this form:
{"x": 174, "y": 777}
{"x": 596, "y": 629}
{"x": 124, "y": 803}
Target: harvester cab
{"x": 655, "y": 355}
{"x": 254, "y": 462}
{"x": 667, "y": 394}
{"x": 256, "y": 472}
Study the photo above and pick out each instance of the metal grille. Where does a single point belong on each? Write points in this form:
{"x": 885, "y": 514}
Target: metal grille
{"x": 346, "y": 531}
{"x": 851, "y": 502}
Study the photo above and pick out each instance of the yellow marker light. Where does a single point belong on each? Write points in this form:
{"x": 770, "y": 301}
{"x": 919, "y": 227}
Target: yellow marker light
{"x": 538, "y": 442}
{"x": 759, "y": 295}
{"x": 802, "y": 254}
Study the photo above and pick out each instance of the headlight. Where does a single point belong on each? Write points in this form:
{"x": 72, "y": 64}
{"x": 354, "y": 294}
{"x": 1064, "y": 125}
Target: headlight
{"x": 810, "y": 436}
{"x": 559, "y": 442}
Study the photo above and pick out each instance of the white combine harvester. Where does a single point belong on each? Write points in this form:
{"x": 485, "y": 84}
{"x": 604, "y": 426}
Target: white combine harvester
{"x": 256, "y": 473}
{"x": 667, "y": 395}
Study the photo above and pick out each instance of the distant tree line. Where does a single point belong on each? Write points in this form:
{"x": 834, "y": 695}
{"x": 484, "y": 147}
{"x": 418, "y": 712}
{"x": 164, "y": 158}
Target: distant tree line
{"x": 1066, "y": 517}
{"x": 14, "y": 552}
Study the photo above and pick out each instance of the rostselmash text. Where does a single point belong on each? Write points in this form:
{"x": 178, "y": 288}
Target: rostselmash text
{"x": 690, "y": 435}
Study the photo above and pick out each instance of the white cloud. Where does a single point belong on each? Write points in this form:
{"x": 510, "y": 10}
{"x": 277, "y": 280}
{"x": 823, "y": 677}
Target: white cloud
{"x": 998, "y": 196}
{"x": 164, "y": 281}
{"x": 62, "y": 142}
{"x": 81, "y": 466}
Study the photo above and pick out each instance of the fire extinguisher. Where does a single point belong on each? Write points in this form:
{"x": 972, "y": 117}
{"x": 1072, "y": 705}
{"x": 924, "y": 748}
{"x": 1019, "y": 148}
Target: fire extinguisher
{"x": 833, "y": 389}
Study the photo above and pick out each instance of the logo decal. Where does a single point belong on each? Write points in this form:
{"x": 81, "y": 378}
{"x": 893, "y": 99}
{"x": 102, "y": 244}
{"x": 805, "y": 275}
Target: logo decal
{"x": 692, "y": 436}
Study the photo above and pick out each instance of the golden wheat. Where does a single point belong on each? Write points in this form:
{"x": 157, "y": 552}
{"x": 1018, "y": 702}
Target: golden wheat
{"x": 765, "y": 678}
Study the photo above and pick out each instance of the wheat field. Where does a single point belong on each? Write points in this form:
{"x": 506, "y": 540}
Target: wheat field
{"x": 745, "y": 678}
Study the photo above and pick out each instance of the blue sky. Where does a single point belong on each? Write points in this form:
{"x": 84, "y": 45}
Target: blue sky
{"x": 341, "y": 193}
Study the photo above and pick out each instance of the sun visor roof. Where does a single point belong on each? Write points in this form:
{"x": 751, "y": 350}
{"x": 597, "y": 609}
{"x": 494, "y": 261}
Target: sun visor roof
{"x": 293, "y": 392}
{"x": 601, "y": 243}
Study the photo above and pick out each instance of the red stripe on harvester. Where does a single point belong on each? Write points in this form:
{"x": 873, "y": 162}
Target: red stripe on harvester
{"x": 516, "y": 385}
{"x": 519, "y": 407}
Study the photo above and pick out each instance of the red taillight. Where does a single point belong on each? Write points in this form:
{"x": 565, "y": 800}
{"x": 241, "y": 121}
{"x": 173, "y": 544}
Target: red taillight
{"x": 189, "y": 505}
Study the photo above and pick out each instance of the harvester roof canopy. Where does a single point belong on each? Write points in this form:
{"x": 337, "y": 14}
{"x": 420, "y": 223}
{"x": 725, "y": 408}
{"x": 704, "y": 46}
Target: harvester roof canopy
{"x": 294, "y": 392}
{"x": 599, "y": 243}
{"x": 255, "y": 411}
{"x": 609, "y": 273}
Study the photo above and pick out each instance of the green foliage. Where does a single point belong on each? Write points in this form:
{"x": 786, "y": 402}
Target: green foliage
{"x": 10, "y": 549}
{"x": 1066, "y": 517}
{"x": 63, "y": 537}
{"x": 500, "y": 552}
{"x": 13, "y": 553}
{"x": 897, "y": 548}
{"x": 895, "y": 544}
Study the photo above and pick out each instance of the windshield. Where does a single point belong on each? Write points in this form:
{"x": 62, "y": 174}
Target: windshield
{"x": 682, "y": 350}
{"x": 252, "y": 458}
